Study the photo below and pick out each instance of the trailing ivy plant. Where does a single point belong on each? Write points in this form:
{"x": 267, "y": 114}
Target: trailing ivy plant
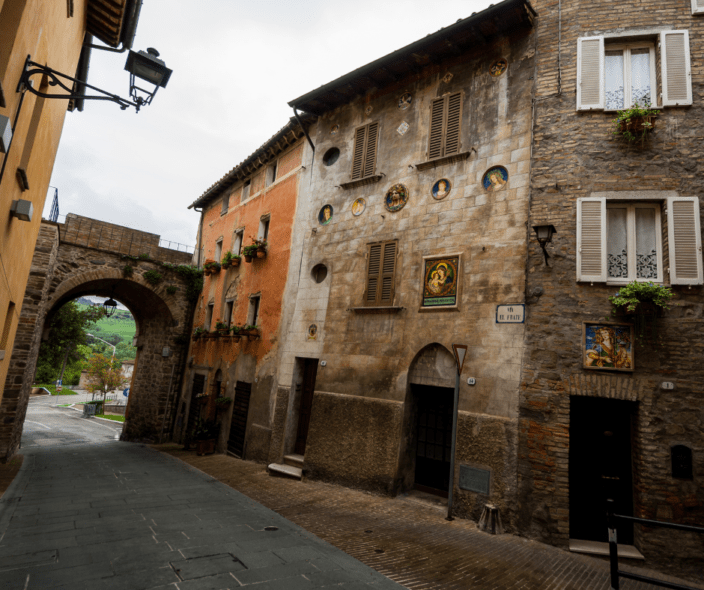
{"x": 127, "y": 270}
{"x": 144, "y": 256}
{"x": 627, "y": 122}
{"x": 153, "y": 277}
{"x": 636, "y": 292}
{"x": 171, "y": 289}
{"x": 193, "y": 277}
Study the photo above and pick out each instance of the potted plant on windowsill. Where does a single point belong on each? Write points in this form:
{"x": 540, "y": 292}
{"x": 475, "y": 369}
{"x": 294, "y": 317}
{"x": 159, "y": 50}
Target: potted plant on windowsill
{"x": 236, "y": 260}
{"x": 249, "y": 252}
{"x": 222, "y": 328}
{"x": 212, "y": 267}
{"x": 644, "y": 301}
{"x": 635, "y": 124}
{"x": 198, "y": 333}
{"x": 252, "y": 332}
{"x": 206, "y": 436}
{"x": 206, "y": 267}
{"x": 235, "y": 332}
{"x": 261, "y": 248}
{"x": 221, "y": 403}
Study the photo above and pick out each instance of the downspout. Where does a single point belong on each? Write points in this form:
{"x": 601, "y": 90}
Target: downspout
{"x": 310, "y": 141}
{"x": 82, "y": 70}
{"x": 200, "y": 235}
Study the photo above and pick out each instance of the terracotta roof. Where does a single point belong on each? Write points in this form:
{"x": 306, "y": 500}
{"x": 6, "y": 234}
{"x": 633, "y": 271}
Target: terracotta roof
{"x": 446, "y": 43}
{"x": 281, "y": 140}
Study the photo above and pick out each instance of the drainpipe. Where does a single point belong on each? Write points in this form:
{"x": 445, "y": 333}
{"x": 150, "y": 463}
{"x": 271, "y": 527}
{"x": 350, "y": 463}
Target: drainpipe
{"x": 298, "y": 118}
{"x": 200, "y": 235}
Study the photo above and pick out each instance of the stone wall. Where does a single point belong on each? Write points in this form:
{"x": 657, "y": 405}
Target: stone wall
{"x": 575, "y": 155}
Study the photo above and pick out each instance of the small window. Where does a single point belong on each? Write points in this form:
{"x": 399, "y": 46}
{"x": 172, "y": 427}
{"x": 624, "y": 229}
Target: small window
{"x": 8, "y": 324}
{"x": 228, "y": 312}
{"x": 218, "y": 250}
{"x": 264, "y": 228}
{"x": 381, "y": 269}
{"x": 365, "y": 146}
{"x": 237, "y": 242}
{"x": 445, "y": 126}
{"x": 253, "y": 314}
{"x": 208, "y": 317}
{"x": 225, "y": 204}
{"x": 681, "y": 462}
{"x": 271, "y": 174}
{"x": 332, "y": 155}
{"x": 319, "y": 272}
{"x": 245, "y": 189}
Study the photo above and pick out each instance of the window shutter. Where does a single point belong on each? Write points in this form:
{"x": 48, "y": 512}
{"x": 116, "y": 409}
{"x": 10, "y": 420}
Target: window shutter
{"x": 360, "y": 136}
{"x": 697, "y": 6}
{"x": 454, "y": 117}
{"x": 676, "y": 68}
{"x": 388, "y": 268}
{"x": 370, "y": 155}
{"x": 591, "y": 239}
{"x": 685, "y": 240}
{"x": 437, "y": 120}
{"x": 590, "y": 73}
{"x": 373, "y": 272}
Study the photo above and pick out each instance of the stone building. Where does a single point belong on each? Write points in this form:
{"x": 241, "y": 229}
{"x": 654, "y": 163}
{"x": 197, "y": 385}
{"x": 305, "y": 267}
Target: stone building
{"x": 51, "y": 33}
{"x": 416, "y": 231}
{"x": 593, "y": 425}
{"x": 260, "y": 198}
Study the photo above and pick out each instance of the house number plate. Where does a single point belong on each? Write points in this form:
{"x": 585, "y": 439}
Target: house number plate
{"x": 510, "y": 314}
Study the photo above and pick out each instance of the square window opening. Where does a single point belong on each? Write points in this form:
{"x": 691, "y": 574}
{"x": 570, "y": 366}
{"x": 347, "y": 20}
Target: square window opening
{"x": 271, "y": 174}
{"x": 629, "y": 76}
{"x": 228, "y": 312}
{"x": 245, "y": 189}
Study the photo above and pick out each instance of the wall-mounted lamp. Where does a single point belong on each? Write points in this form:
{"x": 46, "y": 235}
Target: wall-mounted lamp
{"x": 143, "y": 64}
{"x": 22, "y": 210}
{"x": 544, "y": 234}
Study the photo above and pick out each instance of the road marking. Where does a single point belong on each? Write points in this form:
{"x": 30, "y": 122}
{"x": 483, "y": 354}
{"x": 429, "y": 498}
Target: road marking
{"x": 40, "y": 424}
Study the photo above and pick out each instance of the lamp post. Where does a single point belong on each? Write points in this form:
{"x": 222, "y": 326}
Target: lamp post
{"x": 113, "y": 347}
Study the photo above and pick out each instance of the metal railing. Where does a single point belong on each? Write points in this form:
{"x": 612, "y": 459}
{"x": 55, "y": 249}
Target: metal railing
{"x": 54, "y": 214}
{"x": 616, "y": 573}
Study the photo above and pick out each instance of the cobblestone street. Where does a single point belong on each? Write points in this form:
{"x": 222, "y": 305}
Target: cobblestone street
{"x": 408, "y": 540}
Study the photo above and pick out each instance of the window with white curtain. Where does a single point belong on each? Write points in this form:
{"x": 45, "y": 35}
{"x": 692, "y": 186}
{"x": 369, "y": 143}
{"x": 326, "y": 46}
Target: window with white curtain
{"x": 633, "y": 241}
{"x": 629, "y": 76}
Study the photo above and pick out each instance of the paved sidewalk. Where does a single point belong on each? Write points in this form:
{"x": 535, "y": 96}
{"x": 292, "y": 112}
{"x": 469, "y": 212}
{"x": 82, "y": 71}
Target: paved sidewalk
{"x": 117, "y": 515}
{"x": 408, "y": 540}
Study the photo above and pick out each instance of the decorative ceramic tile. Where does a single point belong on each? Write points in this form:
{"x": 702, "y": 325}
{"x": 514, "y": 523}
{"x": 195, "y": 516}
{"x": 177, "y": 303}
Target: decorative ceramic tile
{"x": 325, "y": 215}
{"x": 334, "y": 129}
{"x": 441, "y": 189}
{"x": 368, "y": 110}
{"x": 498, "y": 67}
{"x": 402, "y": 128}
{"x": 440, "y": 281}
{"x": 495, "y": 179}
{"x": 396, "y": 198}
{"x": 312, "y": 332}
{"x": 358, "y": 207}
{"x": 447, "y": 77}
{"x": 608, "y": 346}
{"x": 405, "y": 101}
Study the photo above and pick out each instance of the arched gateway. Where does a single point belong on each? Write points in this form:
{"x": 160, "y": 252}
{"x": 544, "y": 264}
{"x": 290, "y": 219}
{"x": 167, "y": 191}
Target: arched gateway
{"x": 88, "y": 257}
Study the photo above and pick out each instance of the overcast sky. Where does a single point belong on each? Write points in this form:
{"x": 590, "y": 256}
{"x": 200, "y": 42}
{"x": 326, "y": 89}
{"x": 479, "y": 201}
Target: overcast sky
{"x": 236, "y": 64}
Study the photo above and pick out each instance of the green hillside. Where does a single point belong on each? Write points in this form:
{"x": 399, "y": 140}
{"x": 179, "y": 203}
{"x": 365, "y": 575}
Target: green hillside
{"x": 118, "y": 329}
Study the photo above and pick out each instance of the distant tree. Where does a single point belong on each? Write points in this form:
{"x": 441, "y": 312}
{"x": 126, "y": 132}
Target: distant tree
{"x": 68, "y": 329}
{"x": 104, "y": 374}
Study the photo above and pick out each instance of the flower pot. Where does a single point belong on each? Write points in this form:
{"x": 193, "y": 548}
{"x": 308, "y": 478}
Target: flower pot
{"x": 252, "y": 336}
{"x": 638, "y": 124}
{"x": 646, "y": 308}
{"x": 235, "y": 262}
{"x": 205, "y": 447}
{"x": 206, "y": 273}
{"x": 261, "y": 253}
{"x": 248, "y": 258}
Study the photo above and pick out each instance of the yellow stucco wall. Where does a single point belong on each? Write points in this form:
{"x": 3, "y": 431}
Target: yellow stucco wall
{"x": 45, "y": 31}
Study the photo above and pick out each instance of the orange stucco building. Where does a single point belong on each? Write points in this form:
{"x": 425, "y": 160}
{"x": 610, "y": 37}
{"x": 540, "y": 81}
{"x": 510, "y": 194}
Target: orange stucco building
{"x": 257, "y": 200}
{"x": 52, "y": 34}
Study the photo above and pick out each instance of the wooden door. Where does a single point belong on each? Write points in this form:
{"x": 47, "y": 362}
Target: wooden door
{"x": 433, "y": 438}
{"x": 238, "y": 425}
{"x": 194, "y": 409}
{"x": 310, "y": 370}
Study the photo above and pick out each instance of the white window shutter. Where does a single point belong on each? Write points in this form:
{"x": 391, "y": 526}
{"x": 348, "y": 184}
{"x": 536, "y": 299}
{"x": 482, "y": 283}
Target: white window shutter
{"x": 590, "y": 73}
{"x": 676, "y": 68}
{"x": 685, "y": 241}
{"x": 697, "y": 6}
{"x": 591, "y": 239}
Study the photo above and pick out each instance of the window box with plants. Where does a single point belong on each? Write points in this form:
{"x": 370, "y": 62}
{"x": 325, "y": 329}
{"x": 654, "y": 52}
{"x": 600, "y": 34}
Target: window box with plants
{"x": 211, "y": 267}
{"x": 206, "y": 436}
{"x": 222, "y": 328}
{"x": 252, "y": 332}
{"x": 249, "y": 252}
{"x": 645, "y": 302}
{"x": 222, "y": 403}
{"x": 635, "y": 124}
{"x": 202, "y": 398}
{"x": 235, "y": 332}
{"x": 198, "y": 333}
{"x": 231, "y": 259}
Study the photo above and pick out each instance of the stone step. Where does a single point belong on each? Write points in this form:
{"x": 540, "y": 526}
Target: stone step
{"x": 294, "y": 460}
{"x": 278, "y": 470}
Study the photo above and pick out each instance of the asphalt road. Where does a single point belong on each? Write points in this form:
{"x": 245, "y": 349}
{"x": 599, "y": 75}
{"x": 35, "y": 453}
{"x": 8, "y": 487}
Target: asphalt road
{"x": 88, "y": 512}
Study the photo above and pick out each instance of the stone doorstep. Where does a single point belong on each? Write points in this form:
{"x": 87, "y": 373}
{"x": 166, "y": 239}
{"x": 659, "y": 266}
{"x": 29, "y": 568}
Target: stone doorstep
{"x": 278, "y": 470}
{"x": 596, "y": 548}
{"x": 294, "y": 460}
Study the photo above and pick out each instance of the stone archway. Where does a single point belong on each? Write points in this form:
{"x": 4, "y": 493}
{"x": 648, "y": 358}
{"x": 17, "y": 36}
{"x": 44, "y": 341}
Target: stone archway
{"x": 63, "y": 271}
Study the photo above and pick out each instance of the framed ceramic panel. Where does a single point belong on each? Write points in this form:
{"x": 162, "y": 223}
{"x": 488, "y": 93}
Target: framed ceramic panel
{"x": 495, "y": 179}
{"x": 441, "y": 282}
{"x": 608, "y": 346}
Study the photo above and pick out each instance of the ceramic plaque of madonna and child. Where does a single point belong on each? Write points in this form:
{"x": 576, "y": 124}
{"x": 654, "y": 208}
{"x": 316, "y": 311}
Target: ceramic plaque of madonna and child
{"x": 495, "y": 179}
{"x": 440, "y": 281}
{"x": 608, "y": 346}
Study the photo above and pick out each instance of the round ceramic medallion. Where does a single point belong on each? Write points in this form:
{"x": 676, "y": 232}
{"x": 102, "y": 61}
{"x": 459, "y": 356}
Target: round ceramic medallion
{"x": 325, "y": 215}
{"x": 495, "y": 179}
{"x": 447, "y": 77}
{"x": 358, "y": 207}
{"x": 396, "y": 198}
{"x": 498, "y": 67}
{"x": 368, "y": 110}
{"x": 405, "y": 101}
{"x": 334, "y": 129}
{"x": 441, "y": 189}
{"x": 312, "y": 332}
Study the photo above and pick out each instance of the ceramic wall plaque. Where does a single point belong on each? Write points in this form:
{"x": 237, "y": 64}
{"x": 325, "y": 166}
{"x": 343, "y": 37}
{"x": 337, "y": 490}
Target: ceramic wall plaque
{"x": 396, "y": 198}
{"x": 334, "y": 129}
{"x": 440, "y": 281}
{"x": 498, "y": 67}
{"x": 608, "y": 345}
{"x": 368, "y": 110}
{"x": 402, "y": 128}
{"x": 405, "y": 101}
{"x": 325, "y": 214}
{"x": 312, "y": 332}
{"x": 358, "y": 207}
{"x": 495, "y": 179}
{"x": 441, "y": 189}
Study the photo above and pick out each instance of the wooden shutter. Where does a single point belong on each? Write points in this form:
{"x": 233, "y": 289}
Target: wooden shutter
{"x": 366, "y": 139}
{"x": 380, "y": 274}
{"x": 445, "y": 126}
{"x": 591, "y": 239}
{"x": 697, "y": 6}
{"x": 676, "y": 68}
{"x": 590, "y": 73}
{"x": 685, "y": 241}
